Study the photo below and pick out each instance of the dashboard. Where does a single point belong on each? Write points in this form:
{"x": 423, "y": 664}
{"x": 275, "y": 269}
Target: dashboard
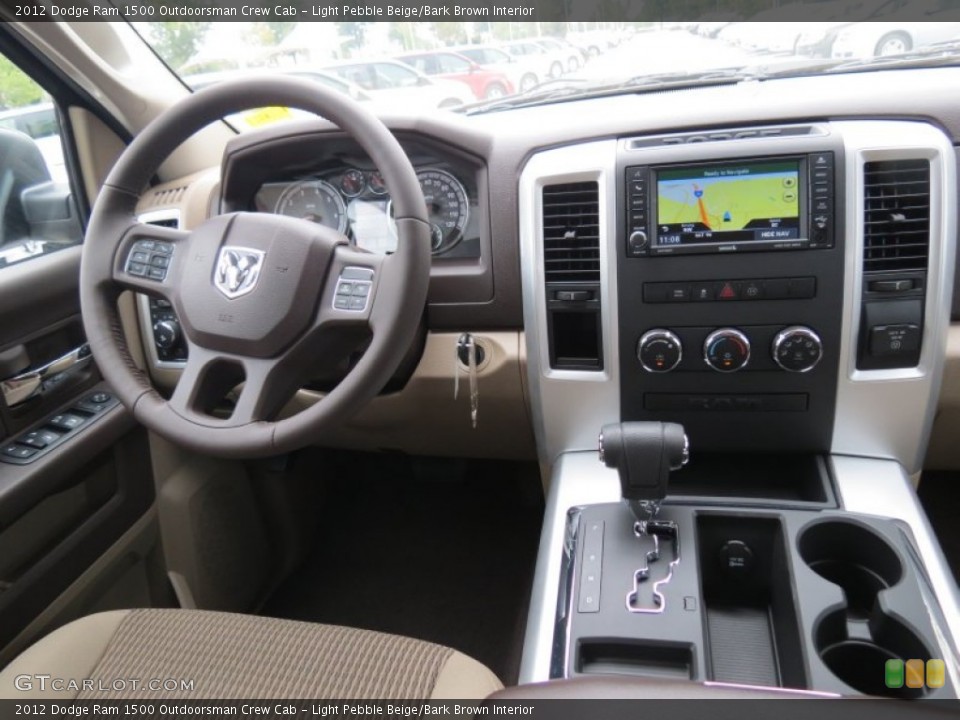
{"x": 717, "y": 275}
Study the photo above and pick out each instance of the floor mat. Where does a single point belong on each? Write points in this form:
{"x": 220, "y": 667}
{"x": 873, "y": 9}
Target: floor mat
{"x": 442, "y": 550}
{"x": 940, "y": 496}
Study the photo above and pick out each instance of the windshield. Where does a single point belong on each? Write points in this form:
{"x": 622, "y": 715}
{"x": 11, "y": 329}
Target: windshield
{"x": 495, "y": 66}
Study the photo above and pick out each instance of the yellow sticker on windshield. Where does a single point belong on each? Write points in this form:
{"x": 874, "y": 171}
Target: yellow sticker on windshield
{"x": 267, "y": 115}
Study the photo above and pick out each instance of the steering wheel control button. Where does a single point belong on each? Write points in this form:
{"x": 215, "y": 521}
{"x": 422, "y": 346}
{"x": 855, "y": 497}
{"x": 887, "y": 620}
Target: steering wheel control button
{"x": 726, "y": 350}
{"x": 797, "y": 349}
{"x": 659, "y": 351}
{"x": 353, "y": 289}
{"x": 150, "y": 259}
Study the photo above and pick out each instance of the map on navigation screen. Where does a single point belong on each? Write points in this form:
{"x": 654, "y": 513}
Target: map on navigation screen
{"x": 728, "y": 203}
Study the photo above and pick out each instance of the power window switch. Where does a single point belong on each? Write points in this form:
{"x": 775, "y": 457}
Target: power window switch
{"x": 19, "y": 452}
{"x": 66, "y": 421}
{"x": 39, "y": 438}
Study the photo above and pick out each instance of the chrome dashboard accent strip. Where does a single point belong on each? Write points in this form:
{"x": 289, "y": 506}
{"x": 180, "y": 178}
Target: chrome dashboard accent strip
{"x": 568, "y": 406}
{"x": 889, "y": 413}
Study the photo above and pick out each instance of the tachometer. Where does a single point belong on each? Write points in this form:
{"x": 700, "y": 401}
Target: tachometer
{"x": 353, "y": 182}
{"x": 314, "y": 200}
{"x": 448, "y": 208}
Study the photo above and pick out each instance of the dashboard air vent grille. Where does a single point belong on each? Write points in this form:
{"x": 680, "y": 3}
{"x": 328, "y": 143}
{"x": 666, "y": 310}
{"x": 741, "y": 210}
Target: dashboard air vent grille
{"x": 571, "y": 232}
{"x": 896, "y": 220}
{"x": 170, "y": 222}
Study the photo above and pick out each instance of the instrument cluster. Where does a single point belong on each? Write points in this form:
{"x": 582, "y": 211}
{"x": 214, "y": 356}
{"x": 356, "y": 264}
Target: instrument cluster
{"x": 356, "y": 202}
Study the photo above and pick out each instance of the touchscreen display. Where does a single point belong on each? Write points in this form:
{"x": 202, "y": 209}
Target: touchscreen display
{"x": 750, "y": 201}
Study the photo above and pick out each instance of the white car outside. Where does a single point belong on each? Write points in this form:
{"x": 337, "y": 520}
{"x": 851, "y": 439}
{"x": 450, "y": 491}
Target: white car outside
{"x": 871, "y": 39}
{"x": 392, "y": 82}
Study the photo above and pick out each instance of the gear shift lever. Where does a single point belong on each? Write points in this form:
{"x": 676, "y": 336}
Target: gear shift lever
{"x": 644, "y": 454}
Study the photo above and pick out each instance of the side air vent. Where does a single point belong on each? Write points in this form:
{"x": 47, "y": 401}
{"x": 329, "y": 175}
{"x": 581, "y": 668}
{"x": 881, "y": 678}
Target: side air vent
{"x": 571, "y": 232}
{"x": 896, "y": 220}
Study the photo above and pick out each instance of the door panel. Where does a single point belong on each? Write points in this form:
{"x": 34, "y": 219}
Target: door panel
{"x": 75, "y": 470}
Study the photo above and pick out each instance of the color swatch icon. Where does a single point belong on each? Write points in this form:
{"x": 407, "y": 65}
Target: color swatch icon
{"x": 914, "y": 673}
{"x": 935, "y": 672}
{"x": 893, "y": 673}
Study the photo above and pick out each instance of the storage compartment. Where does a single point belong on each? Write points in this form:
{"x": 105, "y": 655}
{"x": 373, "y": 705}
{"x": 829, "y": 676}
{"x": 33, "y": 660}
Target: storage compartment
{"x": 575, "y": 339}
{"x": 633, "y": 657}
{"x": 753, "y": 635}
{"x": 856, "y": 640}
{"x": 790, "y": 478}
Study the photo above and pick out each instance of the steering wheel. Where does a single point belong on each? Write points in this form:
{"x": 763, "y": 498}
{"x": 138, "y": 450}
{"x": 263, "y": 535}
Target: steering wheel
{"x": 256, "y": 294}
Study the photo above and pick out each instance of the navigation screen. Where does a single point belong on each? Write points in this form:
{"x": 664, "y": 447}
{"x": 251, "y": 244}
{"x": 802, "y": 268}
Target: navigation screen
{"x": 752, "y": 201}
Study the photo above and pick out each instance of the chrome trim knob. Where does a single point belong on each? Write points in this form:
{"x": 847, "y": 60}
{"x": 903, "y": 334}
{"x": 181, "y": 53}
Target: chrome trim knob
{"x": 732, "y": 360}
{"x": 797, "y": 349}
{"x": 659, "y": 336}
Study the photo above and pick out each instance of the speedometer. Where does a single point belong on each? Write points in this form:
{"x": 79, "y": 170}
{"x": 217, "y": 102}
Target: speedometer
{"x": 448, "y": 208}
{"x": 314, "y": 200}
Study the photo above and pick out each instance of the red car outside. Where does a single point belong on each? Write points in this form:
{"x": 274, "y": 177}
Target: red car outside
{"x": 485, "y": 84}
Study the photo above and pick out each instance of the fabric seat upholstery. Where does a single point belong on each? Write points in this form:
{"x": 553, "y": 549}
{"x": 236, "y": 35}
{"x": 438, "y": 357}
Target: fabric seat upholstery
{"x": 237, "y": 656}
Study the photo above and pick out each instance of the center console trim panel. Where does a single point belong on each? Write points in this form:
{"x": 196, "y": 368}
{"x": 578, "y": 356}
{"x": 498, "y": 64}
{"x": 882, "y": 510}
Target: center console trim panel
{"x": 877, "y": 413}
{"x": 869, "y": 486}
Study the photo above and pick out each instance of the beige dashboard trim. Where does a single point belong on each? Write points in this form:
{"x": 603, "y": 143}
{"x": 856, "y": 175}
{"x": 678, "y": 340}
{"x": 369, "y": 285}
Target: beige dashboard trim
{"x": 943, "y": 453}
{"x": 425, "y": 419}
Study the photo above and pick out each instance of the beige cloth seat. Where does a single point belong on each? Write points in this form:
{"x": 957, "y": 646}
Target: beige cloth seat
{"x": 229, "y": 655}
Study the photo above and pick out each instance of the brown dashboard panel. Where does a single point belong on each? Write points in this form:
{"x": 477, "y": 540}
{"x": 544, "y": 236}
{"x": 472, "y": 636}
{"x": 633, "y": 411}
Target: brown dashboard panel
{"x": 299, "y": 152}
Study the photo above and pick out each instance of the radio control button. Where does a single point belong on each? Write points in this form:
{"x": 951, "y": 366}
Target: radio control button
{"x": 726, "y": 350}
{"x": 659, "y": 351}
{"x": 638, "y": 241}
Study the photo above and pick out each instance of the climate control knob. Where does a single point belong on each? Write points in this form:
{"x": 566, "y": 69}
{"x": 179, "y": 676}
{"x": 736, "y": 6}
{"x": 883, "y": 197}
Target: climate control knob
{"x": 166, "y": 334}
{"x": 797, "y": 349}
{"x": 726, "y": 350}
{"x": 659, "y": 351}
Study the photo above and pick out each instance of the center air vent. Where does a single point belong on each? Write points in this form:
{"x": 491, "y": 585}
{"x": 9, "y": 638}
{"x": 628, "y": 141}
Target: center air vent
{"x": 571, "y": 232}
{"x": 896, "y": 218}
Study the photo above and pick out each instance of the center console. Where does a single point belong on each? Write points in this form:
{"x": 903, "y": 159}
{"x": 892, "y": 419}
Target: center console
{"x": 782, "y": 293}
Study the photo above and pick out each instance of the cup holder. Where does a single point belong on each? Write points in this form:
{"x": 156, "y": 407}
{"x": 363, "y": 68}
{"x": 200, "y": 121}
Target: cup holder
{"x": 856, "y": 559}
{"x": 859, "y": 662}
{"x": 855, "y": 641}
